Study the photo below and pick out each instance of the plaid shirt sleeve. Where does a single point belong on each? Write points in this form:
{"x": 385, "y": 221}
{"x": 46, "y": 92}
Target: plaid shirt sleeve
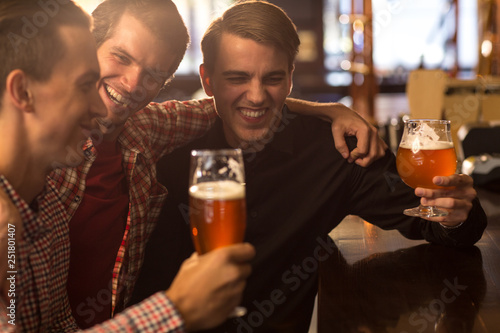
{"x": 171, "y": 124}
{"x": 156, "y": 314}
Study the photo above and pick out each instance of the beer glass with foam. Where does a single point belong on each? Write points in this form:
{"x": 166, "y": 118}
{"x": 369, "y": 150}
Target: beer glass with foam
{"x": 217, "y": 206}
{"x": 425, "y": 151}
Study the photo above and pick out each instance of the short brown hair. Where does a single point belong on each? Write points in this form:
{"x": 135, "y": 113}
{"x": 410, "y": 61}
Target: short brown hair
{"x": 161, "y": 17}
{"x": 260, "y": 21}
{"x": 29, "y": 35}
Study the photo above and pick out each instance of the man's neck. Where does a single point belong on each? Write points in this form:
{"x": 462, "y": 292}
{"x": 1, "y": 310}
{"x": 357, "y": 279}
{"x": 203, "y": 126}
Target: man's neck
{"x": 25, "y": 174}
{"x": 27, "y": 181}
{"x": 24, "y": 168}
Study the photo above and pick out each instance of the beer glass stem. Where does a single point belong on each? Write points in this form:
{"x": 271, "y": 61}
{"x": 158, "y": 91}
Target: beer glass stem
{"x": 425, "y": 211}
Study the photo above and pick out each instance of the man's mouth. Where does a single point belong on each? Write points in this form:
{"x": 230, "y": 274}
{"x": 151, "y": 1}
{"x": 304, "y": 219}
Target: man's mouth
{"x": 252, "y": 113}
{"x": 116, "y": 97}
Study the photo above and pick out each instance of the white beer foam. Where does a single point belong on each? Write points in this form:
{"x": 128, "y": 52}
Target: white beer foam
{"x": 222, "y": 190}
{"x": 423, "y": 137}
{"x": 417, "y": 144}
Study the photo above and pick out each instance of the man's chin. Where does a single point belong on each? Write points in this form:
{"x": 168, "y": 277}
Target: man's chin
{"x": 73, "y": 157}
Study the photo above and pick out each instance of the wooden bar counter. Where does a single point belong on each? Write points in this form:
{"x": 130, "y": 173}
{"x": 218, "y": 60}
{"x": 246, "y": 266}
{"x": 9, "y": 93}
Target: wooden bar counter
{"x": 379, "y": 281}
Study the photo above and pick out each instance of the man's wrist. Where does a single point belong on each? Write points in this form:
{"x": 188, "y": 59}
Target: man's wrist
{"x": 453, "y": 226}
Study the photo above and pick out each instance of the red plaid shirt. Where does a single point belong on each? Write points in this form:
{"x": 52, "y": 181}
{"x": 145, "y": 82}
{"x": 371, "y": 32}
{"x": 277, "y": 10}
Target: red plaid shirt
{"x": 147, "y": 136}
{"x": 41, "y": 272}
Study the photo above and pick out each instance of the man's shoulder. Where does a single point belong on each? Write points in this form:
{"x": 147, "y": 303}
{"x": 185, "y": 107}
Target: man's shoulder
{"x": 305, "y": 124}
{"x": 312, "y": 129}
{"x": 176, "y": 163}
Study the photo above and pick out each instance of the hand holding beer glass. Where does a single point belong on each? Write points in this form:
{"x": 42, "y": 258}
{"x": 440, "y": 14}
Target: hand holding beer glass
{"x": 217, "y": 206}
{"x": 426, "y": 150}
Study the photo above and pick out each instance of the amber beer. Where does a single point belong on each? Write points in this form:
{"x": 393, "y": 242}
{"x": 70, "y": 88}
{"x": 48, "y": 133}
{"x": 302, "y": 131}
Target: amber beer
{"x": 418, "y": 167}
{"x": 217, "y": 214}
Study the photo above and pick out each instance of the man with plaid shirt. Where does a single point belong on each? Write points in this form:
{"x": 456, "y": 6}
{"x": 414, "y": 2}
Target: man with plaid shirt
{"x": 49, "y": 103}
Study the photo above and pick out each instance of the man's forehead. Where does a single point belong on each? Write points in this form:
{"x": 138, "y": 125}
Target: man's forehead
{"x": 131, "y": 37}
{"x": 248, "y": 53}
{"x": 80, "y": 54}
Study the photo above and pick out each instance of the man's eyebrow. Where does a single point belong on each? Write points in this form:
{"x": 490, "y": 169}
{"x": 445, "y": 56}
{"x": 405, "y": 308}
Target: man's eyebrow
{"x": 276, "y": 73}
{"x": 241, "y": 73}
{"x": 157, "y": 73}
{"x": 121, "y": 50}
{"x": 235, "y": 73}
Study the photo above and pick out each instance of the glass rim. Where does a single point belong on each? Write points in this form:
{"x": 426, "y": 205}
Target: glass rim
{"x": 427, "y": 120}
{"x": 208, "y": 152}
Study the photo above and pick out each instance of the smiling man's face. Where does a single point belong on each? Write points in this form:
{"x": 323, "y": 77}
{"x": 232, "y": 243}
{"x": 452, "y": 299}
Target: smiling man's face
{"x": 249, "y": 83}
{"x": 134, "y": 66}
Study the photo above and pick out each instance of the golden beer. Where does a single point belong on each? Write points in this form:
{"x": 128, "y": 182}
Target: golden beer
{"x": 217, "y": 214}
{"x": 417, "y": 167}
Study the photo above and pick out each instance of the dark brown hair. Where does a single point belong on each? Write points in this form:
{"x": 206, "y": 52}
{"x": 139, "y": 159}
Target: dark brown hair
{"x": 260, "y": 21}
{"x": 29, "y": 35}
{"x": 161, "y": 17}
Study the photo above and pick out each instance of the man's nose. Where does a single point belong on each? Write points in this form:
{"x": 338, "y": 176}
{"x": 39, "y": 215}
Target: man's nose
{"x": 132, "y": 79}
{"x": 256, "y": 92}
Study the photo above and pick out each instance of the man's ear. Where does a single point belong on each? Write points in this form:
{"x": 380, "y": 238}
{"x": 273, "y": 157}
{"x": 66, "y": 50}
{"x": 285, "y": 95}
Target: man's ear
{"x": 290, "y": 83}
{"x": 18, "y": 91}
{"x": 205, "y": 81}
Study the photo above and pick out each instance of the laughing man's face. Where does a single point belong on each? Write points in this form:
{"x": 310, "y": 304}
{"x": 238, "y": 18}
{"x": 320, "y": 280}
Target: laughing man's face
{"x": 134, "y": 66}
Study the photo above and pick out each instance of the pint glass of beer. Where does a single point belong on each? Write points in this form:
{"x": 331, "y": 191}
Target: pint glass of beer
{"x": 217, "y": 206}
{"x": 426, "y": 150}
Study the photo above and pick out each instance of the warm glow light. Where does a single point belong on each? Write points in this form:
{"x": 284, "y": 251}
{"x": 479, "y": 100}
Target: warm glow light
{"x": 344, "y": 19}
{"x": 346, "y": 44}
{"x": 358, "y": 26}
{"x": 88, "y": 5}
{"x": 345, "y": 65}
{"x": 486, "y": 48}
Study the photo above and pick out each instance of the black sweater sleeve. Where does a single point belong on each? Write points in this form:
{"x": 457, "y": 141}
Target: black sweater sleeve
{"x": 379, "y": 196}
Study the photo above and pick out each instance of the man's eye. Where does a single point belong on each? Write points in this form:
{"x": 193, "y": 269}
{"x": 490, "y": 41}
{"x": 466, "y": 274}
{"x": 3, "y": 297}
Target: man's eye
{"x": 236, "y": 79}
{"x": 274, "y": 80}
{"x": 122, "y": 59}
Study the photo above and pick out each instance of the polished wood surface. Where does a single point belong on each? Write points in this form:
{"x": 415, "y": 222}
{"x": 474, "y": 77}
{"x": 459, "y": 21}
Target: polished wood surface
{"x": 379, "y": 281}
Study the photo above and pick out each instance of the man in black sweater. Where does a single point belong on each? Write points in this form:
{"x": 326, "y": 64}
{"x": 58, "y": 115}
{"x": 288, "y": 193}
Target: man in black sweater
{"x": 298, "y": 187}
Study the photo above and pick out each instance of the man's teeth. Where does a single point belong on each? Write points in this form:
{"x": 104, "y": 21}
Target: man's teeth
{"x": 253, "y": 114}
{"x": 116, "y": 97}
